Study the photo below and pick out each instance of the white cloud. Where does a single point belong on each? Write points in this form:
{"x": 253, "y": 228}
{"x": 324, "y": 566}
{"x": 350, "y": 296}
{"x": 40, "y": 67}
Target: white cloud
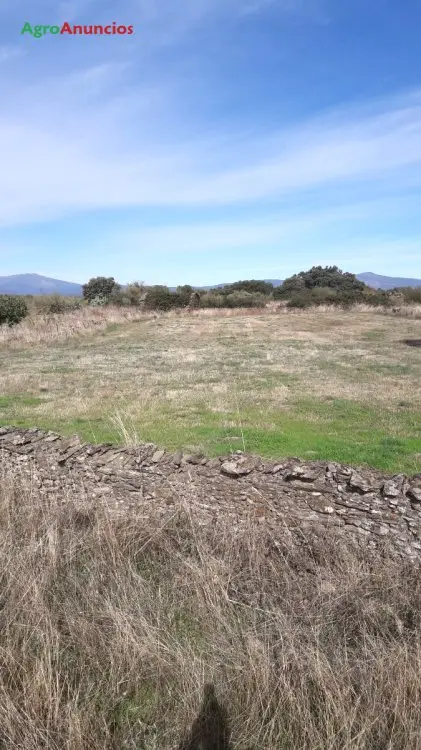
{"x": 92, "y": 146}
{"x": 9, "y": 52}
{"x": 102, "y": 135}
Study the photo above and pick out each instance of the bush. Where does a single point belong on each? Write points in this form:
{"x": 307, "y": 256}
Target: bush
{"x": 133, "y": 295}
{"x": 56, "y": 304}
{"x": 13, "y": 309}
{"x": 323, "y": 295}
{"x": 99, "y": 301}
{"x": 100, "y": 287}
{"x": 300, "y": 301}
{"x": 252, "y": 287}
{"x": 212, "y": 300}
{"x": 346, "y": 285}
{"x": 245, "y": 299}
{"x": 377, "y": 298}
{"x": 235, "y": 299}
{"x": 160, "y": 298}
{"x": 411, "y": 295}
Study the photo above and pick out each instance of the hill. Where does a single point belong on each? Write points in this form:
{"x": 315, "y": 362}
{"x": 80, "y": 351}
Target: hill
{"x": 33, "y": 283}
{"x": 374, "y": 280}
{"x": 386, "y": 282}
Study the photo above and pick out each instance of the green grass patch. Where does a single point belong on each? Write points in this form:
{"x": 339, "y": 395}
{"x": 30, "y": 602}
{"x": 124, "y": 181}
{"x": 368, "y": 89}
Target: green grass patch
{"x": 214, "y": 385}
{"x": 337, "y": 430}
{"x": 16, "y": 400}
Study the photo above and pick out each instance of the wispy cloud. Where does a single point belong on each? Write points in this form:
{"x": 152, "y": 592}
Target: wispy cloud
{"x": 129, "y": 126}
{"x": 9, "y": 52}
{"x": 95, "y": 158}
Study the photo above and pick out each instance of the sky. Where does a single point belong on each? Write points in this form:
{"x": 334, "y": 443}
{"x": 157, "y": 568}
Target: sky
{"x": 222, "y": 140}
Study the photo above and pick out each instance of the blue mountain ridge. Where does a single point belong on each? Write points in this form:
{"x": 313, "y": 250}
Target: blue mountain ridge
{"x": 33, "y": 283}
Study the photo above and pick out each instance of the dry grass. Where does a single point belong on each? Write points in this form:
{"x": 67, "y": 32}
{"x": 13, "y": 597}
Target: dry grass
{"x": 111, "y": 626}
{"x": 328, "y": 384}
{"x": 47, "y": 329}
{"x": 39, "y": 328}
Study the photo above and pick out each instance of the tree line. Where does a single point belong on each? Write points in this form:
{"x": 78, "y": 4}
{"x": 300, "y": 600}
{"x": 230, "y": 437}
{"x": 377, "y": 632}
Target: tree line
{"x": 319, "y": 285}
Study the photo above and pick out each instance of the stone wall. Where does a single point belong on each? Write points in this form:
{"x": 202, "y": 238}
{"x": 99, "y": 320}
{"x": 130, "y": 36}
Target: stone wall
{"x": 296, "y": 500}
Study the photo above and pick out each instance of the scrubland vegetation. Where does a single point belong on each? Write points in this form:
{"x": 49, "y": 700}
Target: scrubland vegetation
{"x": 317, "y": 287}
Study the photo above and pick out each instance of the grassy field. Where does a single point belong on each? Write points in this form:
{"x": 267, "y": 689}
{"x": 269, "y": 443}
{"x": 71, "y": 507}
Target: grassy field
{"x": 317, "y": 384}
{"x": 110, "y": 628}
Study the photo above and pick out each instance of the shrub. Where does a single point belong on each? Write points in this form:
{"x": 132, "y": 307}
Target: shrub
{"x": 252, "y": 287}
{"x": 213, "y": 300}
{"x": 323, "y": 295}
{"x": 234, "y": 299}
{"x": 292, "y": 286}
{"x": 245, "y": 299}
{"x": 160, "y": 298}
{"x": 99, "y": 301}
{"x": 133, "y": 295}
{"x": 300, "y": 301}
{"x": 100, "y": 286}
{"x": 56, "y": 304}
{"x": 13, "y": 309}
{"x": 377, "y": 298}
{"x": 348, "y": 288}
{"x": 185, "y": 292}
{"x": 411, "y": 295}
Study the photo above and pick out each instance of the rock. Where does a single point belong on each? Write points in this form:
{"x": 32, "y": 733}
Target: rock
{"x": 195, "y": 459}
{"x": 237, "y": 468}
{"x": 320, "y": 505}
{"x": 414, "y": 494}
{"x": 213, "y": 463}
{"x": 70, "y": 442}
{"x": 302, "y": 474}
{"x": 277, "y": 468}
{"x": 381, "y": 530}
{"x": 390, "y": 489}
{"x": 356, "y": 482}
{"x": 315, "y": 499}
{"x": 177, "y": 458}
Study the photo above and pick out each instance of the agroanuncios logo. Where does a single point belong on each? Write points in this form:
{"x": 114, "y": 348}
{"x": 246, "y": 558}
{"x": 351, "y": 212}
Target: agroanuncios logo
{"x": 66, "y": 29}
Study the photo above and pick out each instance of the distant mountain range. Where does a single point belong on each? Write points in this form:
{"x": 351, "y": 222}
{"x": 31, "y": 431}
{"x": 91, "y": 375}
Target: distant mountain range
{"x": 386, "y": 282}
{"x": 32, "y": 283}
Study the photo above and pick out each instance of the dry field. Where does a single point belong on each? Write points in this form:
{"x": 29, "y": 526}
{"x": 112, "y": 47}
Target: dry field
{"x": 324, "y": 383}
{"x": 110, "y": 628}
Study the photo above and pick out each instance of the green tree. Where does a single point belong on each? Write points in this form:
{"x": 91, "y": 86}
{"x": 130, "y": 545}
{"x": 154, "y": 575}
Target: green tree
{"x": 161, "y": 298}
{"x": 347, "y": 287}
{"x": 131, "y": 295}
{"x": 185, "y": 292}
{"x": 100, "y": 287}
{"x": 13, "y": 309}
{"x": 252, "y": 286}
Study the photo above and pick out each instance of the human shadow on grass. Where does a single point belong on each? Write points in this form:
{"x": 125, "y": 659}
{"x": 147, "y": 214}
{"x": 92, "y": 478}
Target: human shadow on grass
{"x": 412, "y": 342}
{"x": 210, "y": 730}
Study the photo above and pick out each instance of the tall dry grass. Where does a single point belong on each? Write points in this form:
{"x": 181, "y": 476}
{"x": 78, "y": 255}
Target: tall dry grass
{"x": 45, "y": 329}
{"x": 111, "y": 626}
{"x": 49, "y": 328}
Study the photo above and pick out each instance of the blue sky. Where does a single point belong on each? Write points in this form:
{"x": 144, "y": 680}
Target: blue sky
{"x": 225, "y": 139}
